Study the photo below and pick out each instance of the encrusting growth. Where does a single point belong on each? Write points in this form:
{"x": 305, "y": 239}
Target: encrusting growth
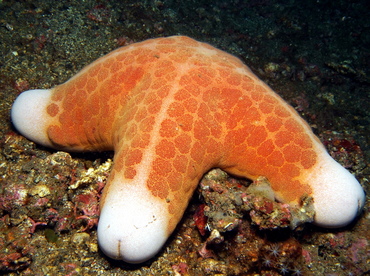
{"x": 172, "y": 109}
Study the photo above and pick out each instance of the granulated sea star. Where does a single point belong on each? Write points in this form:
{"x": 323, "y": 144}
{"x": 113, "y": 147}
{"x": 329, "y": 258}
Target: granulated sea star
{"x": 172, "y": 109}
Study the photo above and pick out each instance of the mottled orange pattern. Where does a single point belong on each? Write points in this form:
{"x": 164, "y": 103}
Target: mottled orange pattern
{"x": 183, "y": 107}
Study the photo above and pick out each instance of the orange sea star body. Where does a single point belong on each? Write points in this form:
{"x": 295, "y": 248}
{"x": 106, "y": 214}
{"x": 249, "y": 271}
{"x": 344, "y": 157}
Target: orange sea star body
{"x": 172, "y": 109}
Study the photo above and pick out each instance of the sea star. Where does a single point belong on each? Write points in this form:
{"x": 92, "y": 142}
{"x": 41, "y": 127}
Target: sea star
{"x": 172, "y": 109}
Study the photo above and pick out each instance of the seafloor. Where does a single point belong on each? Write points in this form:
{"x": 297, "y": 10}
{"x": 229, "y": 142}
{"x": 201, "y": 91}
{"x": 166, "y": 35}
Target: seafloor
{"x": 315, "y": 54}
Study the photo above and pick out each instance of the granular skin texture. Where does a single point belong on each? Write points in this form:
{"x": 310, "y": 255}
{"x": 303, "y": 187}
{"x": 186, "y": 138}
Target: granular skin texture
{"x": 182, "y": 107}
